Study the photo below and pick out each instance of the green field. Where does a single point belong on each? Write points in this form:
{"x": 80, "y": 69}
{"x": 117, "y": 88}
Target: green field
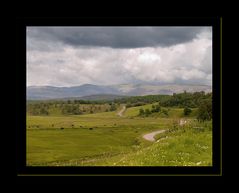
{"x": 106, "y": 139}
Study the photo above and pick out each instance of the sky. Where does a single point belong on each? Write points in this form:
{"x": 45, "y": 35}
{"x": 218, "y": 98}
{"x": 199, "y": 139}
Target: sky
{"x": 72, "y": 56}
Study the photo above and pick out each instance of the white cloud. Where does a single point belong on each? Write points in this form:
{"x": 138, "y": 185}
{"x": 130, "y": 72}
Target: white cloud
{"x": 189, "y": 62}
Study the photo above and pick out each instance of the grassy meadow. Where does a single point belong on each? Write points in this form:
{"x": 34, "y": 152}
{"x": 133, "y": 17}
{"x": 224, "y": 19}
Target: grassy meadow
{"x": 106, "y": 139}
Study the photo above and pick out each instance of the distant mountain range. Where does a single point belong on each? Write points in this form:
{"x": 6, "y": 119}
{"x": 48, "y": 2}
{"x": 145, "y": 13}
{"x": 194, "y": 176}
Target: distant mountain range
{"x": 95, "y": 92}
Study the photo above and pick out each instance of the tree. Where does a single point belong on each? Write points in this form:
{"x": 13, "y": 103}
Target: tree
{"x": 155, "y": 109}
{"x": 112, "y": 107}
{"x": 69, "y": 109}
{"x": 141, "y": 112}
{"x": 43, "y": 111}
{"x": 187, "y": 111}
{"x": 147, "y": 112}
{"x": 128, "y": 105}
{"x": 205, "y": 111}
{"x": 75, "y": 110}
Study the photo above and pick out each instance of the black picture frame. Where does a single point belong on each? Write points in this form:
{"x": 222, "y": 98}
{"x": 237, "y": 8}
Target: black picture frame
{"x": 20, "y": 129}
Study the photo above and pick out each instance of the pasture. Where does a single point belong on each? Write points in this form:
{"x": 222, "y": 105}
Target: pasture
{"x": 106, "y": 139}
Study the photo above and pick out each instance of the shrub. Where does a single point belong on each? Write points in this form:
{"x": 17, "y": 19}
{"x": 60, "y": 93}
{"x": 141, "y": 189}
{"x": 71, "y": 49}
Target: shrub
{"x": 165, "y": 112}
{"x": 205, "y": 111}
{"x": 187, "y": 111}
{"x": 147, "y": 112}
{"x": 141, "y": 112}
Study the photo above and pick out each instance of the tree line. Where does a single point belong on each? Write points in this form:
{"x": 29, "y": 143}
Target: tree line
{"x": 185, "y": 100}
{"x": 68, "y": 108}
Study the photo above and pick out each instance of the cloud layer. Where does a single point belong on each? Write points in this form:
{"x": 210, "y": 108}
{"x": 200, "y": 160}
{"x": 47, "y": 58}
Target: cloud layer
{"x": 74, "y": 56}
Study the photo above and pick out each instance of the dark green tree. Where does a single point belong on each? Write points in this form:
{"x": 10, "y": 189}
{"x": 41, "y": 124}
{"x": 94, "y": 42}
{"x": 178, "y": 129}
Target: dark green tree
{"x": 43, "y": 111}
{"x": 112, "y": 107}
{"x": 187, "y": 111}
{"x": 205, "y": 111}
{"x": 141, "y": 112}
{"x": 147, "y": 112}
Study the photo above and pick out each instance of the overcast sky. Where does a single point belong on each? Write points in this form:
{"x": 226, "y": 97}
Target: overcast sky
{"x": 72, "y": 56}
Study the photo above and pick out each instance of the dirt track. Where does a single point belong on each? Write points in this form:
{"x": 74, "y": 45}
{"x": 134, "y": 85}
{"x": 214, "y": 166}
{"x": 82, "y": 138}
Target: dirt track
{"x": 150, "y": 136}
{"x": 120, "y": 113}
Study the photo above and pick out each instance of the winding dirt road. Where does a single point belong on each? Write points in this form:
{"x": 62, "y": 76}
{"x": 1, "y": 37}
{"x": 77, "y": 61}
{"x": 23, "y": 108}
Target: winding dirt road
{"x": 120, "y": 113}
{"x": 150, "y": 136}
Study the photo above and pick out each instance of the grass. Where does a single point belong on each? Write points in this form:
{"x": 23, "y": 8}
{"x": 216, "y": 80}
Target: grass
{"x": 106, "y": 139}
{"x": 184, "y": 147}
{"x": 174, "y": 112}
{"x": 51, "y": 144}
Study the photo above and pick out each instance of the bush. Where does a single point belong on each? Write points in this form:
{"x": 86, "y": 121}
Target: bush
{"x": 165, "y": 112}
{"x": 205, "y": 111}
{"x": 141, "y": 112}
{"x": 128, "y": 105}
{"x": 112, "y": 107}
{"x": 147, "y": 112}
{"x": 187, "y": 111}
{"x": 174, "y": 126}
{"x": 155, "y": 109}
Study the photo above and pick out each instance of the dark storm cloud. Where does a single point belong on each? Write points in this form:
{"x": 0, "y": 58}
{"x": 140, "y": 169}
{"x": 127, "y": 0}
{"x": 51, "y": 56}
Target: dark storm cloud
{"x": 115, "y": 37}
